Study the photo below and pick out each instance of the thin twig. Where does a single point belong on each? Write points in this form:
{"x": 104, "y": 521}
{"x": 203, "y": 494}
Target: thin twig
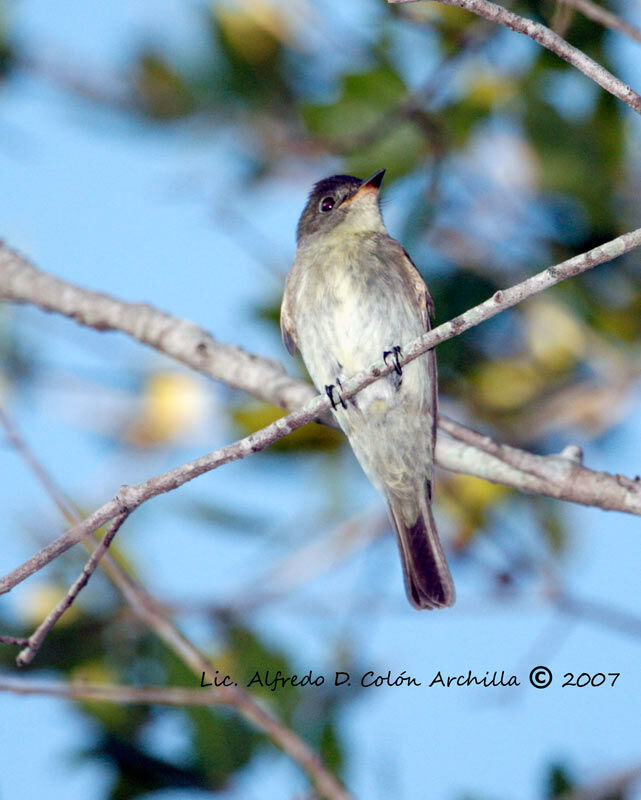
{"x": 618, "y": 784}
{"x": 29, "y": 457}
{"x": 311, "y": 559}
{"x": 597, "y": 613}
{"x": 326, "y": 785}
{"x": 16, "y": 641}
{"x": 604, "y": 17}
{"x": 36, "y": 639}
{"x": 552, "y": 41}
{"x": 111, "y": 693}
{"x": 152, "y": 614}
{"x": 598, "y": 489}
{"x": 263, "y": 378}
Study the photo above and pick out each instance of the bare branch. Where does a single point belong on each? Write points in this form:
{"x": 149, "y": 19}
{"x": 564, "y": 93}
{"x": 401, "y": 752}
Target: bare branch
{"x": 29, "y": 457}
{"x": 33, "y": 643}
{"x": 130, "y": 497}
{"x": 311, "y": 559}
{"x": 604, "y": 17}
{"x": 597, "y": 613}
{"x": 111, "y": 693}
{"x": 17, "y": 641}
{"x": 263, "y": 378}
{"x": 619, "y": 784}
{"x": 151, "y": 613}
{"x": 561, "y": 476}
{"x": 624, "y": 495}
{"x": 325, "y": 783}
{"x": 180, "y": 339}
{"x": 36, "y": 639}
{"x": 552, "y": 41}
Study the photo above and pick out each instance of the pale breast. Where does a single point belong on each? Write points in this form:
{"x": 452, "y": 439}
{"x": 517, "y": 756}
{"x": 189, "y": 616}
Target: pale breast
{"x": 351, "y": 306}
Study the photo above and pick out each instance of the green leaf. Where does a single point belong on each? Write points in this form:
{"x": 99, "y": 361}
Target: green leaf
{"x": 162, "y": 90}
{"x": 250, "y": 416}
{"x": 368, "y": 124}
{"x": 558, "y": 782}
{"x": 397, "y": 151}
{"x": 222, "y": 743}
{"x": 138, "y": 772}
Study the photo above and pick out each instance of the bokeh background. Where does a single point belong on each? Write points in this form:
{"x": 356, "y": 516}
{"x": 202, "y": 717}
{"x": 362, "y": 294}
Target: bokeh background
{"x": 162, "y": 152}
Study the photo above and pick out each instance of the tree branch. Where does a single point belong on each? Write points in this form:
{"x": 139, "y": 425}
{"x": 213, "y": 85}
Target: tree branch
{"x": 153, "y": 615}
{"x": 552, "y": 41}
{"x": 558, "y": 476}
{"x": 180, "y": 339}
{"x": 604, "y": 17}
{"x": 263, "y": 378}
{"x": 326, "y": 784}
{"x": 34, "y": 642}
{"x": 16, "y": 641}
{"x": 579, "y": 485}
{"x": 112, "y": 693}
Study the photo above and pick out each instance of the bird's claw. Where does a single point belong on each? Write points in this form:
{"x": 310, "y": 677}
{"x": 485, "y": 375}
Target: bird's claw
{"x": 330, "y": 393}
{"x": 396, "y": 352}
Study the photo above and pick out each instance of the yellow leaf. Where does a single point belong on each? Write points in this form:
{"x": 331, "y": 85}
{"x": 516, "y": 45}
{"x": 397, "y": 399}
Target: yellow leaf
{"x": 487, "y": 90}
{"x": 468, "y": 500}
{"x": 252, "y": 416}
{"x": 253, "y": 29}
{"x": 172, "y": 405}
{"x": 506, "y": 385}
{"x": 42, "y": 598}
{"x": 556, "y": 338}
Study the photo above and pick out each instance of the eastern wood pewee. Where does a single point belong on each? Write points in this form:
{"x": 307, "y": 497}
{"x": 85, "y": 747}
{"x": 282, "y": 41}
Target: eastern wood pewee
{"x": 352, "y": 297}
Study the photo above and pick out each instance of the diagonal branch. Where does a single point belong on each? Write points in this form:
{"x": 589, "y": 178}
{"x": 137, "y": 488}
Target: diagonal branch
{"x": 152, "y": 614}
{"x": 561, "y": 476}
{"x": 113, "y": 693}
{"x": 34, "y": 642}
{"x": 266, "y": 379}
{"x": 552, "y": 41}
{"x": 262, "y": 378}
{"x": 604, "y": 17}
{"x": 582, "y": 485}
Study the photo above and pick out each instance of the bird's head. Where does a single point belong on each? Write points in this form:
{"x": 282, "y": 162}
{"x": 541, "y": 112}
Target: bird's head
{"x": 342, "y": 204}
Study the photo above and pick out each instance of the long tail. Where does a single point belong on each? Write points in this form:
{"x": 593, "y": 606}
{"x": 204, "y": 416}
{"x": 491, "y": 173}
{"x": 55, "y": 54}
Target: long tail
{"x": 428, "y": 582}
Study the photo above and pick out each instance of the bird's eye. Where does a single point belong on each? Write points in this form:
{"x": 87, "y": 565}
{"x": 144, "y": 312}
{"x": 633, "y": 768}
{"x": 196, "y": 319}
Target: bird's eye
{"x": 327, "y": 204}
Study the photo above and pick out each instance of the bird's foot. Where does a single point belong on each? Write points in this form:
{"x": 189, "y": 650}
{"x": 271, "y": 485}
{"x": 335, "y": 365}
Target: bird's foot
{"x": 330, "y": 393}
{"x": 397, "y": 353}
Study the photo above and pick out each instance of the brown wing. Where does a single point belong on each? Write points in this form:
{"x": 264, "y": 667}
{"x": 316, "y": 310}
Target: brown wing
{"x": 287, "y": 327}
{"x": 426, "y": 304}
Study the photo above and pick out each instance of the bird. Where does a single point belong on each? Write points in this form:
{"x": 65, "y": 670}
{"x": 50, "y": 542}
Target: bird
{"x": 352, "y": 296}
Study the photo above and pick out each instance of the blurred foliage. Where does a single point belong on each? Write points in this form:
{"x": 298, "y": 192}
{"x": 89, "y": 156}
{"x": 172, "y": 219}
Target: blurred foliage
{"x": 364, "y": 124}
{"x": 507, "y": 160}
{"x": 171, "y": 403}
{"x": 251, "y": 415}
{"x": 565, "y": 189}
{"x": 559, "y": 782}
{"x": 468, "y": 501}
{"x": 111, "y": 647}
{"x": 163, "y": 93}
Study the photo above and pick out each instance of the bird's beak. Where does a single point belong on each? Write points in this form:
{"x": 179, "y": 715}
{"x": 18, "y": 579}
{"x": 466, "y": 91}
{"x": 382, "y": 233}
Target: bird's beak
{"x": 372, "y": 184}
